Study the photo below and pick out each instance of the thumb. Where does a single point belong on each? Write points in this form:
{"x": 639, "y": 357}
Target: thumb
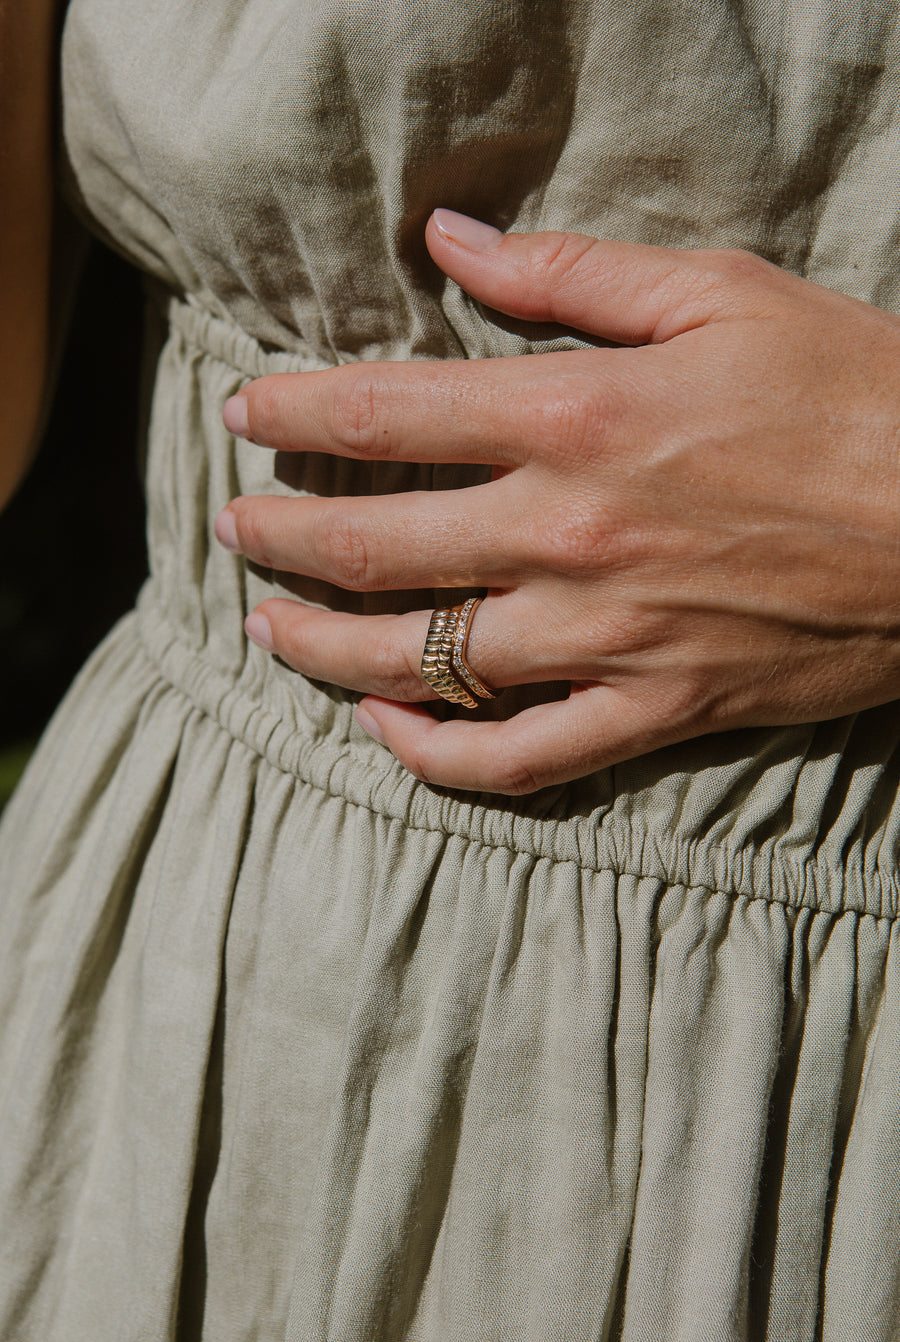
{"x": 627, "y": 292}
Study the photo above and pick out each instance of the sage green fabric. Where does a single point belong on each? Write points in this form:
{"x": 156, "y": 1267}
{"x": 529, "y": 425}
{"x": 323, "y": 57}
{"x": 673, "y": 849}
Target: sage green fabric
{"x": 294, "y": 1047}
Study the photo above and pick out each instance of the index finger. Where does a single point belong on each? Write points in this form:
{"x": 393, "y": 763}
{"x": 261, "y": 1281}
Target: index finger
{"x": 484, "y": 411}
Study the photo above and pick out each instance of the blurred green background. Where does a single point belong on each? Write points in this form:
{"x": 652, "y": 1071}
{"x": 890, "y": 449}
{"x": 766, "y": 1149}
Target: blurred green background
{"x": 72, "y": 551}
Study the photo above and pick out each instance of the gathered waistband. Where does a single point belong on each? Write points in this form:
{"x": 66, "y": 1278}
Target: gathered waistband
{"x": 806, "y": 816}
{"x": 224, "y": 340}
{"x": 624, "y": 831}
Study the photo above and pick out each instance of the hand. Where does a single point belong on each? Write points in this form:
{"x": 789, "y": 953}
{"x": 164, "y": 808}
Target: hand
{"x": 698, "y": 531}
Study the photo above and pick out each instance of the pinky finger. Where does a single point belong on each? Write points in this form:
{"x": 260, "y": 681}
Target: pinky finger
{"x": 539, "y": 747}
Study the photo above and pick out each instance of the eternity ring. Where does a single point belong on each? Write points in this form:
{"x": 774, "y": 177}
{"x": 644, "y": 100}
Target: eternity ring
{"x": 444, "y": 665}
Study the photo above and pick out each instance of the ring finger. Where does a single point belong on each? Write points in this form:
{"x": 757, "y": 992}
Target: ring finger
{"x": 382, "y": 654}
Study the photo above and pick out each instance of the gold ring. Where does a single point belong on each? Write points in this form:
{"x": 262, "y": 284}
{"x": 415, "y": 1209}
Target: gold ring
{"x": 444, "y": 665}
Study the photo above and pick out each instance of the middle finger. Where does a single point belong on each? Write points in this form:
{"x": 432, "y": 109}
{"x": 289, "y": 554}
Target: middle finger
{"x": 475, "y": 537}
{"x": 500, "y": 412}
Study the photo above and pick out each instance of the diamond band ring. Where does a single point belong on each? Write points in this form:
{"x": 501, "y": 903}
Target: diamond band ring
{"x": 444, "y": 665}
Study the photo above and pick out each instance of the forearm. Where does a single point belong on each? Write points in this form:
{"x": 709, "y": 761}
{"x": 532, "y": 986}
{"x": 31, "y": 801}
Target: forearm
{"x": 27, "y": 47}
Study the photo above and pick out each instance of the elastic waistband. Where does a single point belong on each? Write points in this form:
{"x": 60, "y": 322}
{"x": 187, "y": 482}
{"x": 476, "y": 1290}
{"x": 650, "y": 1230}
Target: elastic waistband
{"x": 224, "y": 340}
{"x": 805, "y": 816}
{"x": 632, "y": 820}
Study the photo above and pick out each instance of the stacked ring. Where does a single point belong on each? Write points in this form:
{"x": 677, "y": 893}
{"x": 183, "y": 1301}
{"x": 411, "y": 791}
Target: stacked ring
{"x": 444, "y": 665}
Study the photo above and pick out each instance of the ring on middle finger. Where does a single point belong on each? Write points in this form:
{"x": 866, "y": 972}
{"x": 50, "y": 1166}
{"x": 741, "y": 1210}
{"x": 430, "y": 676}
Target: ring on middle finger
{"x": 444, "y": 664}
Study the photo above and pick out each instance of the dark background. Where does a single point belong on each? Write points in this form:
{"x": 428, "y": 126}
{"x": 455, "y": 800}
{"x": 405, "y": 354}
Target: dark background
{"x": 72, "y": 553}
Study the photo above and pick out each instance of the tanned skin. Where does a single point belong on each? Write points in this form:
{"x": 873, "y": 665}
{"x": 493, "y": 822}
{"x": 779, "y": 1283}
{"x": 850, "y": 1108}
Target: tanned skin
{"x": 28, "y": 31}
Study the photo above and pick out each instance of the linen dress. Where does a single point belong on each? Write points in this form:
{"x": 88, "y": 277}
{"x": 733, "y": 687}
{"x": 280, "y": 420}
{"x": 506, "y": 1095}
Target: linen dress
{"x": 294, "y": 1046}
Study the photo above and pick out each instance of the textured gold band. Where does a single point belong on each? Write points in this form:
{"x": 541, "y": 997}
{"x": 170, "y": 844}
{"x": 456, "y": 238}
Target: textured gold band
{"x": 444, "y": 665}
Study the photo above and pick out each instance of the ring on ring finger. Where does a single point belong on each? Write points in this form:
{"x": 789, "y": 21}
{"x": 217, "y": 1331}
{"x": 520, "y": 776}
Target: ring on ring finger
{"x": 444, "y": 664}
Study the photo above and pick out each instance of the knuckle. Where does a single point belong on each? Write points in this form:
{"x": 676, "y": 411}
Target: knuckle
{"x": 583, "y": 540}
{"x": 417, "y": 759}
{"x": 701, "y": 699}
{"x": 396, "y": 672}
{"x": 734, "y": 265}
{"x": 357, "y": 419}
{"x": 722, "y": 278}
{"x": 512, "y": 775}
{"x": 571, "y": 418}
{"x": 631, "y": 632}
{"x": 268, "y": 406}
{"x": 252, "y": 537}
{"x": 557, "y": 256}
{"x": 291, "y": 640}
{"x": 342, "y": 540}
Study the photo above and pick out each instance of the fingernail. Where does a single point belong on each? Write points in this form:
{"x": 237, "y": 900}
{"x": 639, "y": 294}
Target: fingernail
{"x": 226, "y": 530}
{"x": 259, "y": 631}
{"x": 368, "y": 724}
{"x": 468, "y": 232}
{"x": 234, "y": 414}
